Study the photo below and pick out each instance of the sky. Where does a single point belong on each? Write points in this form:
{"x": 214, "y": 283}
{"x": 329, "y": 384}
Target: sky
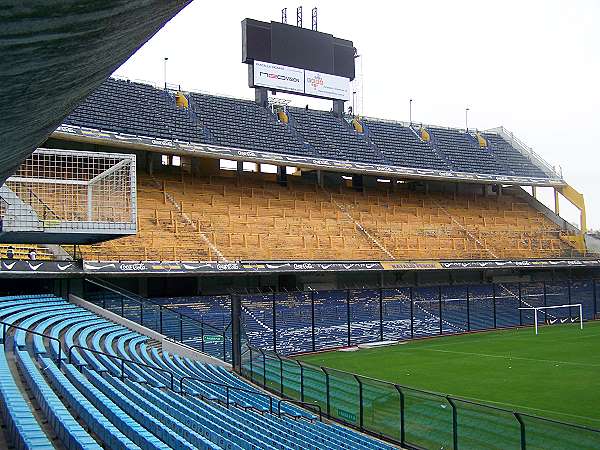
{"x": 530, "y": 66}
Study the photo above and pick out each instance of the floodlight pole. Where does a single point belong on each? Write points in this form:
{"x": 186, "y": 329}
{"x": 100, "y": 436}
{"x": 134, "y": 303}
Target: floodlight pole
{"x": 410, "y": 111}
{"x": 165, "y": 71}
{"x": 467, "y": 119}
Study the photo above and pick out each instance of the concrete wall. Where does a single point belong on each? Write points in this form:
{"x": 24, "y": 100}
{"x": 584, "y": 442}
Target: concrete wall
{"x": 592, "y": 243}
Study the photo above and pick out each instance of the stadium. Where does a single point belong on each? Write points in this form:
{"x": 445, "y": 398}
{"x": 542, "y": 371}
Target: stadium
{"x": 180, "y": 269}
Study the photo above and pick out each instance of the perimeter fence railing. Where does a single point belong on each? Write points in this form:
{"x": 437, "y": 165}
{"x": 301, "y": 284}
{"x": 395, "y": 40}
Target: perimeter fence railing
{"x": 410, "y": 417}
{"x": 308, "y": 321}
{"x": 173, "y": 324}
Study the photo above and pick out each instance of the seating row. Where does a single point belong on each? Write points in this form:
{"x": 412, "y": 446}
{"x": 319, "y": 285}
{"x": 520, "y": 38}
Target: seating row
{"x": 101, "y": 385}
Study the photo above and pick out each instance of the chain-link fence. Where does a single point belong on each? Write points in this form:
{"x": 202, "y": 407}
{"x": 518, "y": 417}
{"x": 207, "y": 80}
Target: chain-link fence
{"x": 412, "y": 418}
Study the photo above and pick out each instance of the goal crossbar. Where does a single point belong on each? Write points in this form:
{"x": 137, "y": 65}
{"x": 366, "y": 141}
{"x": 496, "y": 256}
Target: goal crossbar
{"x": 535, "y": 309}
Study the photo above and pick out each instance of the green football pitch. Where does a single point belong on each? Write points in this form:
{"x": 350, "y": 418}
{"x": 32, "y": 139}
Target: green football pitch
{"x": 555, "y": 374}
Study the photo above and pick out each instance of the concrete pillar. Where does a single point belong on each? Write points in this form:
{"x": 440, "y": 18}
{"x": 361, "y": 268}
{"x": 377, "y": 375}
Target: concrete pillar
{"x": 153, "y": 162}
{"x": 198, "y": 290}
{"x": 281, "y": 176}
{"x": 338, "y": 108}
{"x": 143, "y": 287}
{"x": 236, "y": 342}
{"x": 261, "y": 97}
{"x": 208, "y": 166}
{"x": 357, "y": 182}
{"x": 195, "y": 163}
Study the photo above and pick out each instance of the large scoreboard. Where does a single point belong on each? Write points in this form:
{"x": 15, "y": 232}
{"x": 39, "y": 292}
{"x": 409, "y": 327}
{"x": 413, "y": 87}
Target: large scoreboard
{"x": 292, "y": 59}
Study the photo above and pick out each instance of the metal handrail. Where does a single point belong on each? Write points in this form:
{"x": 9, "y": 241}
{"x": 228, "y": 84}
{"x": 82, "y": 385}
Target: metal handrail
{"x": 306, "y": 405}
{"x": 122, "y": 361}
{"x": 6, "y": 326}
{"x": 44, "y": 205}
{"x": 227, "y": 389}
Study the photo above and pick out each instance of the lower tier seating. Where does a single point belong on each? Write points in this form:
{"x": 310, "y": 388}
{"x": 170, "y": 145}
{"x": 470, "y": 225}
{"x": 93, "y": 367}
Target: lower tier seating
{"x": 64, "y": 384}
{"x": 21, "y": 251}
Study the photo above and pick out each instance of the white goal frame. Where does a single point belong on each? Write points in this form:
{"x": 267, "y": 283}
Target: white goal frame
{"x": 538, "y": 308}
{"x": 69, "y": 191}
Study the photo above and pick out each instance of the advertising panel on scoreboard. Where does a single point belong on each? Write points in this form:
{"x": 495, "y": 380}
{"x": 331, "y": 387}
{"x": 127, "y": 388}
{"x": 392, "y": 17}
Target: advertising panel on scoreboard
{"x": 327, "y": 86}
{"x": 299, "y": 81}
{"x": 278, "y": 77}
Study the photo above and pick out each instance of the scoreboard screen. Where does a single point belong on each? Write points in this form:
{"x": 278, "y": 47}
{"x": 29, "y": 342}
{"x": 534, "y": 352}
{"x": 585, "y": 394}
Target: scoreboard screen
{"x": 291, "y": 46}
{"x": 298, "y": 47}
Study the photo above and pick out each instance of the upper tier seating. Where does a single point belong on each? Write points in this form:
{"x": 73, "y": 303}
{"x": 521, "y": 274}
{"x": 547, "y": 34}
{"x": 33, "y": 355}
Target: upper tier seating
{"x": 87, "y": 400}
{"x": 244, "y": 124}
{"x": 515, "y": 161}
{"x": 331, "y": 137}
{"x": 140, "y": 109}
{"x": 464, "y": 153}
{"x": 402, "y": 147}
{"x": 254, "y": 218}
{"x": 134, "y": 108}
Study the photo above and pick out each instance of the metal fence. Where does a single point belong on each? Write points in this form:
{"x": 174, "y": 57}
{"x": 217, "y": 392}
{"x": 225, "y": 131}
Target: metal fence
{"x": 410, "y": 417}
{"x": 180, "y": 327}
{"x": 305, "y": 321}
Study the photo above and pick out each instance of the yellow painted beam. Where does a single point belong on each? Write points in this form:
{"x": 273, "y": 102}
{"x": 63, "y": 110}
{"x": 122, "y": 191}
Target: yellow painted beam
{"x": 576, "y": 198}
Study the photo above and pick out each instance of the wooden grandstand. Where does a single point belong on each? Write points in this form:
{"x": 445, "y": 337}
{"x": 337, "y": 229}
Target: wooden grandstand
{"x": 253, "y": 218}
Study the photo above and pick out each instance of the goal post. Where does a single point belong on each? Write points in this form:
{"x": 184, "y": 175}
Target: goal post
{"x": 535, "y": 310}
